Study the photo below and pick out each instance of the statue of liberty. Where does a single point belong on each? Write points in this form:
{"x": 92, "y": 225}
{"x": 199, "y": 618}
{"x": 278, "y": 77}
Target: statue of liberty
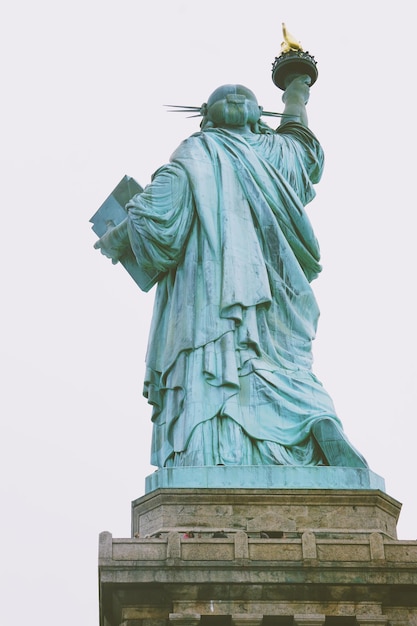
{"x": 223, "y": 229}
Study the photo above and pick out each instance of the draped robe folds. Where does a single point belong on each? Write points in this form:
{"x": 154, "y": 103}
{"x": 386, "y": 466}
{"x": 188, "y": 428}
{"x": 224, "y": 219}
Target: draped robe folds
{"x": 229, "y": 356}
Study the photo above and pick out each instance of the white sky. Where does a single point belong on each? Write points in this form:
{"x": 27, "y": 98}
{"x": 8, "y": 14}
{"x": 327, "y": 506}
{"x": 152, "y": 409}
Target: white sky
{"x": 83, "y": 88}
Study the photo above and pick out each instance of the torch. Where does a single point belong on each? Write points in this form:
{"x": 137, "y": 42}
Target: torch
{"x": 292, "y": 61}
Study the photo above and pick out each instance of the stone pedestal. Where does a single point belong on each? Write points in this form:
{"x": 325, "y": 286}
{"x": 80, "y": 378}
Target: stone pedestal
{"x": 274, "y": 511}
{"x": 259, "y": 557}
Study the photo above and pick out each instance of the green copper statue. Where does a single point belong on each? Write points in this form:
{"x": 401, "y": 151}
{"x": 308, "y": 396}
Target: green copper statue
{"x": 223, "y": 229}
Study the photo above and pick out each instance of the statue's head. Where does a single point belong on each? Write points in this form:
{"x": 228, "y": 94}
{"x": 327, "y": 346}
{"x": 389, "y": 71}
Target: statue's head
{"x": 231, "y": 106}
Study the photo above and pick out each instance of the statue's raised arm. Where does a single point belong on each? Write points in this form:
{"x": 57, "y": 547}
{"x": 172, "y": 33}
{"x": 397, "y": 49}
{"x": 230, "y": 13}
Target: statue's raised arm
{"x": 295, "y": 98}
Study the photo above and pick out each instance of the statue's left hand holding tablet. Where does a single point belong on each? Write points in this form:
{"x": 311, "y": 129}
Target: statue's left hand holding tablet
{"x": 114, "y": 242}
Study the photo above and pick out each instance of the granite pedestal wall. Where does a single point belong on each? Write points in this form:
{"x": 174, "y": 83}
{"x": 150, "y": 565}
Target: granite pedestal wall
{"x": 259, "y": 557}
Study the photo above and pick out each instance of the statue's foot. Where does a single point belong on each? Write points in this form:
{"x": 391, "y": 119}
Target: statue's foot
{"x": 335, "y": 446}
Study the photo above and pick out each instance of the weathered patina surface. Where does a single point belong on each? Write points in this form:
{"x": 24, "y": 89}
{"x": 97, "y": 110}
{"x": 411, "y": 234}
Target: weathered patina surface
{"x": 223, "y": 229}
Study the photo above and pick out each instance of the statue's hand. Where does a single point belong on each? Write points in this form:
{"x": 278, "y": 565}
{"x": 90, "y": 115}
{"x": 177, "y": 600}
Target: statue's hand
{"x": 114, "y": 242}
{"x": 297, "y": 88}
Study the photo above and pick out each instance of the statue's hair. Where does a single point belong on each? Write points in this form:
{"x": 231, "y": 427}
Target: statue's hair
{"x": 231, "y": 106}
{"x": 259, "y": 127}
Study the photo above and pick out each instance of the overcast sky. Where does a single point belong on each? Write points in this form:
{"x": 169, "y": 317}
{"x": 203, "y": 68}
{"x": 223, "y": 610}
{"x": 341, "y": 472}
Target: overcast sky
{"x": 83, "y": 88}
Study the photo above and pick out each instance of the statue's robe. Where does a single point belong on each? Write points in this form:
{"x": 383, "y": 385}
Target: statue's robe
{"x": 229, "y": 356}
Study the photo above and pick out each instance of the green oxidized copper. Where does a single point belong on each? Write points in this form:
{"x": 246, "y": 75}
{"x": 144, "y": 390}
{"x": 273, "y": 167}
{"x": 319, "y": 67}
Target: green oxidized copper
{"x": 222, "y": 229}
